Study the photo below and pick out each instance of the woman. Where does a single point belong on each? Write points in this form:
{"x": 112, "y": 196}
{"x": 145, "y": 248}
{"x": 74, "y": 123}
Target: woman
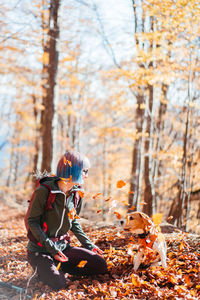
{"x": 49, "y": 227}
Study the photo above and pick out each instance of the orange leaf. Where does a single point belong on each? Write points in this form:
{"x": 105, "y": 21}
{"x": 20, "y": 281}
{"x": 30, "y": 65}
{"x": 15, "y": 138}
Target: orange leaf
{"x": 181, "y": 246}
{"x": 98, "y": 211}
{"x": 125, "y": 202}
{"x": 96, "y": 195}
{"x": 135, "y": 280}
{"x": 131, "y": 192}
{"x": 77, "y": 217}
{"x": 132, "y": 208}
{"x": 81, "y": 194}
{"x": 72, "y": 214}
{"x": 108, "y": 199}
{"x": 69, "y": 163}
{"x": 169, "y": 218}
{"x": 120, "y": 184}
{"x": 117, "y": 215}
{"x": 143, "y": 203}
{"x": 64, "y": 160}
{"x": 82, "y": 263}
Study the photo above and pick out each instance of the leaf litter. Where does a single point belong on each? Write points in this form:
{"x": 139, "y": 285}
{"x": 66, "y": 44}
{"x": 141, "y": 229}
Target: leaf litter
{"x": 181, "y": 279}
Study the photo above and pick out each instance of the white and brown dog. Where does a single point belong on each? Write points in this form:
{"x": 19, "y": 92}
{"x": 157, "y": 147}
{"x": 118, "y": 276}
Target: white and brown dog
{"x": 149, "y": 237}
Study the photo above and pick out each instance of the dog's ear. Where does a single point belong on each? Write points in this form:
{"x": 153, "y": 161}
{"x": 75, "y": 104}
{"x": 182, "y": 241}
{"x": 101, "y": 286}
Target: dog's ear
{"x": 141, "y": 216}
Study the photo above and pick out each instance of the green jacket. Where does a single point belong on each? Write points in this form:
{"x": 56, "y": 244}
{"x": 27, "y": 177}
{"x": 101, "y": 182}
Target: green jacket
{"x": 58, "y": 219}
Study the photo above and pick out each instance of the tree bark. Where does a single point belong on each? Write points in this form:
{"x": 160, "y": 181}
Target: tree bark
{"x": 136, "y": 170}
{"x": 49, "y": 77}
{"x": 148, "y": 194}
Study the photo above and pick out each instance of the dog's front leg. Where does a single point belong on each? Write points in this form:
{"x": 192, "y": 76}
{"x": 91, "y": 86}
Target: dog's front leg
{"x": 161, "y": 248}
{"x": 137, "y": 260}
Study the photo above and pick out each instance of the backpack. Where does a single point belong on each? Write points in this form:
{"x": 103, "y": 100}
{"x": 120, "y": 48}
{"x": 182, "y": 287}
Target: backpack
{"x": 50, "y": 201}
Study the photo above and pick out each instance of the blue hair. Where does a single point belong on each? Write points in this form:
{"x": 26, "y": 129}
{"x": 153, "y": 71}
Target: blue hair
{"x": 71, "y": 166}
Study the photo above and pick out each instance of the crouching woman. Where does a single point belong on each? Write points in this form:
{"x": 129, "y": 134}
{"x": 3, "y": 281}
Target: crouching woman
{"x": 53, "y": 212}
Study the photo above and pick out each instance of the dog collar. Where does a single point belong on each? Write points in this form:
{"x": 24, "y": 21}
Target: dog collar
{"x": 143, "y": 235}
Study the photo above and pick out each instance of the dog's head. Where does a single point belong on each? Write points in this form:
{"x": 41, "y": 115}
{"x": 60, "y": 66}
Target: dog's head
{"x": 138, "y": 223}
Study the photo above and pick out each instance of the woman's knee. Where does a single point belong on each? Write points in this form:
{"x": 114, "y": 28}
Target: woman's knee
{"x": 54, "y": 278}
{"x": 101, "y": 265}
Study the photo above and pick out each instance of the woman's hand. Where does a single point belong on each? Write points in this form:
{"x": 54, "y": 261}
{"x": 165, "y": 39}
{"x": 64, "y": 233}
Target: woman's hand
{"x": 97, "y": 250}
{"x": 61, "y": 257}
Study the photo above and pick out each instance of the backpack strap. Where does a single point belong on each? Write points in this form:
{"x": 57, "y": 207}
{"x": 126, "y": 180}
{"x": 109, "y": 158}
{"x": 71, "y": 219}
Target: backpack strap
{"x": 51, "y": 198}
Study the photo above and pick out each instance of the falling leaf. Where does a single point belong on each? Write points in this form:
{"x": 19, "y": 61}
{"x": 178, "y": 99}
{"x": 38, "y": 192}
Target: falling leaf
{"x": 169, "y": 218}
{"x": 96, "y": 195}
{"x": 82, "y": 263}
{"x": 81, "y": 194}
{"x": 125, "y": 202}
{"x": 120, "y": 184}
{"x": 143, "y": 203}
{"x": 69, "y": 163}
{"x": 64, "y": 160}
{"x": 157, "y": 218}
{"x": 98, "y": 211}
{"x": 108, "y": 199}
{"x": 72, "y": 214}
{"x": 117, "y": 215}
{"x": 132, "y": 208}
{"x": 131, "y": 192}
{"x": 58, "y": 266}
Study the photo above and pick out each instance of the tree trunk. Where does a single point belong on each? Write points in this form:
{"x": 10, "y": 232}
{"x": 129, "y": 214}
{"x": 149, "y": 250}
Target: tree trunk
{"x": 136, "y": 170}
{"x": 50, "y": 66}
{"x": 148, "y": 193}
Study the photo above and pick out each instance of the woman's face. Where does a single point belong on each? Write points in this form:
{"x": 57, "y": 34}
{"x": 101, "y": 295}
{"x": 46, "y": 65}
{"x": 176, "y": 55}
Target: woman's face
{"x": 85, "y": 174}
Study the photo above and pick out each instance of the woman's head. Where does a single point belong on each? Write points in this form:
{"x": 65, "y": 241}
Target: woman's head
{"x": 73, "y": 166}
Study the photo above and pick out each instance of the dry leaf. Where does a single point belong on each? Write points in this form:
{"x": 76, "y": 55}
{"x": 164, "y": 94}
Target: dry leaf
{"x": 58, "y": 266}
{"x": 120, "y": 184}
{"x": 69, "y": 163}
{"x": 82, "y": 263}
{"x": 108, "y": 199}
{"x": 117, "y": 215}
{"x": 96, "y": 195}
{"x": 64, "y": 160}
{"x": 81, "y": 194}
{"x": 72, "y": 214}
{"x": 125, "y": 202}
{"x": 132, "y": 208}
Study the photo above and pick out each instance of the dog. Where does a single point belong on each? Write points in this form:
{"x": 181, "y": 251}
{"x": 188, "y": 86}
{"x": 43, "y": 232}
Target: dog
{"x": 149, "y": 237}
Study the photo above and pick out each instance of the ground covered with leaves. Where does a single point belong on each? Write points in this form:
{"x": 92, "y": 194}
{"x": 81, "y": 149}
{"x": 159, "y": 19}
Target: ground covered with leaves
{"x": 181, "y": 280}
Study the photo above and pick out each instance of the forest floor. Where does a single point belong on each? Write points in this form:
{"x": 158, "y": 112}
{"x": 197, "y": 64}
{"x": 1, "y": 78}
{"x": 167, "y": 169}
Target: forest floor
{"x": 181, "y": 279}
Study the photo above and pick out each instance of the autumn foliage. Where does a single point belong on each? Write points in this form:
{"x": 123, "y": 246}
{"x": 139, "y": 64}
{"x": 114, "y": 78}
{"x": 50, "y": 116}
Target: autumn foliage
{"x": 179, "y": 281}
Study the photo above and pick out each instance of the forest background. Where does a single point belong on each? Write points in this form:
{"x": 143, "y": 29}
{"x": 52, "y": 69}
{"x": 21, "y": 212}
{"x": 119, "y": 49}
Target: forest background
{"x": 116, "y": 80}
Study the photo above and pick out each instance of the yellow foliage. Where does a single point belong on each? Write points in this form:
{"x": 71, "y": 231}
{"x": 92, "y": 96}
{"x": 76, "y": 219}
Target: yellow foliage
{"x": 157, "y": 218}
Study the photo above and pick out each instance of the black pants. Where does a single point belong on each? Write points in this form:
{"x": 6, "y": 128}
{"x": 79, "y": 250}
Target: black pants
{"x": 46, "y": 266}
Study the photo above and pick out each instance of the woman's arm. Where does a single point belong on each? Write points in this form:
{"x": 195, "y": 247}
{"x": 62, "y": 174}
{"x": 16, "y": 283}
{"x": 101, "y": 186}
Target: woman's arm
{"x": 81, "y": 236}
